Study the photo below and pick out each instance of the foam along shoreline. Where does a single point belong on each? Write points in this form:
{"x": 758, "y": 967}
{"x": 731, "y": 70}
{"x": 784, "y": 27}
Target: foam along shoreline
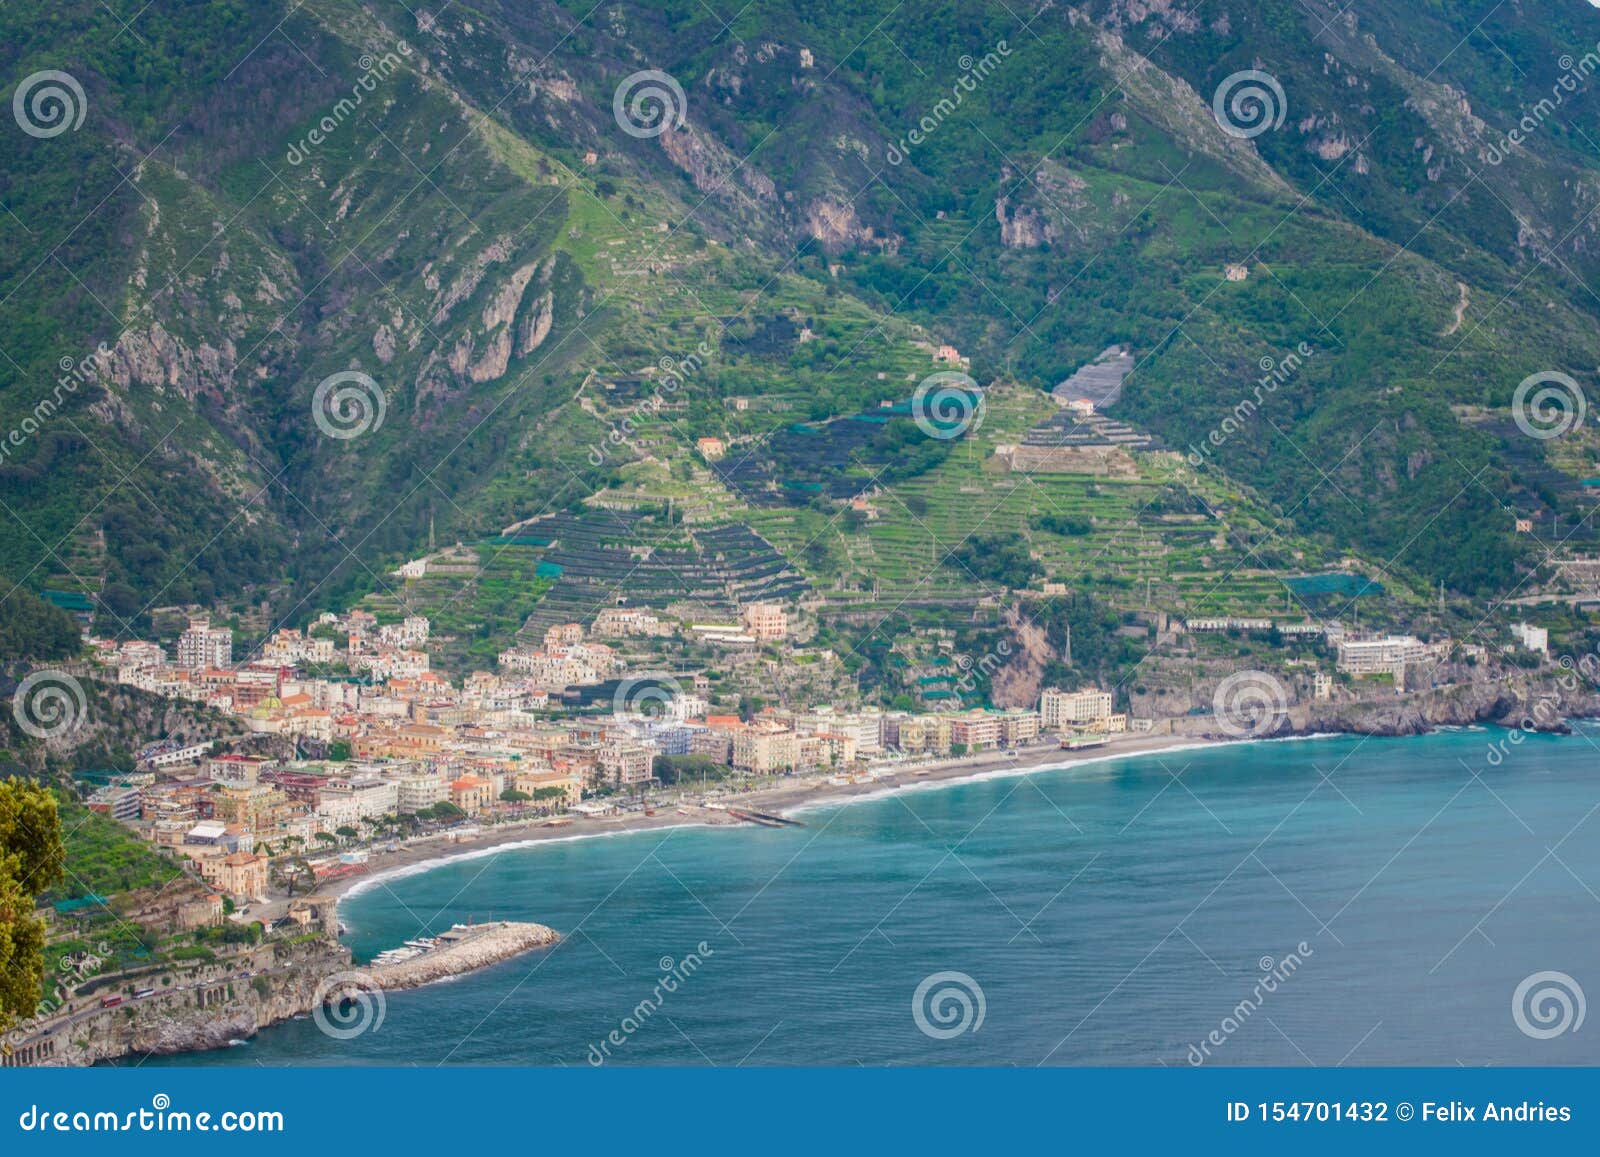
{"x": 806, "y": 795}
{"x": 463, "y": 949}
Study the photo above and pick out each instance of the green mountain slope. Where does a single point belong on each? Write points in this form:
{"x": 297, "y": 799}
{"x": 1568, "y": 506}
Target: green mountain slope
{"x": 445, "y": 209}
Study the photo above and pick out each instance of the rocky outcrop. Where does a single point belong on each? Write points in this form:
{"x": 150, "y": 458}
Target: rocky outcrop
{"x": 113, "y": 717}
{"x": 1025, "y": 228}
{"x": 159, "y": 360}
{"x": 496, "y": 357}
{"x": 500, "y": 320}
{"x": 1017, "y": 684}
{"x": 383, "y": 344}
{"x": 535, "y": 324}
{"x": 713, "y": 168}
{"x": 205, "y": 1011}
{"x": 1532, "y": 708}
{"x": 835, "y": 226}
{"x": 502, "y": 307}
{"x": 220, "y": 1004}
{"x": 466, "y": 283}
{"x": 1542, "y": 710}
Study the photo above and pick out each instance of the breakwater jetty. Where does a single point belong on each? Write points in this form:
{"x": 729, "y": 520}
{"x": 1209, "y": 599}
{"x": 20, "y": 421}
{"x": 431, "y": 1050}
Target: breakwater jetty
{"x": 464, "y": 948}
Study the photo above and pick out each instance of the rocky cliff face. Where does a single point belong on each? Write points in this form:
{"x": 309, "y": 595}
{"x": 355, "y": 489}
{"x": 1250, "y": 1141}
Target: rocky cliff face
{"x": 1531, "y": 706}
{"x": 114, "y": 719}
{"x": 205, "y": 1015}
{"x": 1528, "y": 708}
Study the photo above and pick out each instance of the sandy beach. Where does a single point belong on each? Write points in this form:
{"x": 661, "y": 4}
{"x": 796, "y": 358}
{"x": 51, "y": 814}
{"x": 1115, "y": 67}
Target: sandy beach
{"x": 787, "y": 794}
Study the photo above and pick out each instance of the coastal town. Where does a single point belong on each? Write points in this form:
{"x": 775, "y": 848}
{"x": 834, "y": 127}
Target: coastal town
{"x": 332, "y": 768}
{"x": 259, "y": 772}
{"x": 400, "y": 748}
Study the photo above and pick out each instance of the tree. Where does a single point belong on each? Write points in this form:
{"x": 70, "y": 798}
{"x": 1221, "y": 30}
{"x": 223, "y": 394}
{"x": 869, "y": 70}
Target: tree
{"x": 32, "y": 858}
{"x": 34, "y": 629}
{"x": 346, "y": 832}
{"x": 339, "y": 750}
{"x": 512, "y": 795}
{"x": 325, "y": 838}
{"x": 291, "y": 872}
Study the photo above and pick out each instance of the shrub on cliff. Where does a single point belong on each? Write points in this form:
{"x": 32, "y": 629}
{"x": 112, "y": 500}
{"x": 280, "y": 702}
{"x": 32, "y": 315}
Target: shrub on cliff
{"x": 31, "y": 859}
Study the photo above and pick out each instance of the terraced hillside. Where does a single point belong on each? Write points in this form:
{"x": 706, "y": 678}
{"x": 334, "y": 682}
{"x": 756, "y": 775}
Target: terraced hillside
{"x": 364, "y": 273}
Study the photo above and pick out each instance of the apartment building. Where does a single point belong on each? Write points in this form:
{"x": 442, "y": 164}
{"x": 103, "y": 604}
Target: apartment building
{"x": 1059, "y": 709}
{"x": 203, "y": 645}
{"x": 626, "y": 764}
{"x": 976, "y": 730}
{"x": 766, "y": 621}
{"x": 764, "y": 748}
{"x": 628, "y": 622}
{"x": 1387, "y": 655}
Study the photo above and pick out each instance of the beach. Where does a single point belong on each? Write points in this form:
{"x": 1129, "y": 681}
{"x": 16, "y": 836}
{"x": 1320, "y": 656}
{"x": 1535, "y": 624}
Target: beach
{"x": 1048, "y": 891}
{"x": 786, "y": 794}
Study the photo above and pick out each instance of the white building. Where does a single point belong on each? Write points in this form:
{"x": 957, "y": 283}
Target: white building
{"x": 625, "y": 622}
{"x": 203, "y": 645}
{"x": 416, "y": 792}
{"x": 193, "y": 753}
{"x": 579, "y": 664}
{"x": 1227, "y": 624}
{"x": 1387, "y": 655}
{"x": 413, "y": 632}
{"x": 1058, "y": 708}
{"x": 343, "y": 802}
{"x": 1536, "y": 639}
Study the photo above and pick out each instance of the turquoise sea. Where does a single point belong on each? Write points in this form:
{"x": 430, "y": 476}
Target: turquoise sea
{"x": 1372, "y": 902}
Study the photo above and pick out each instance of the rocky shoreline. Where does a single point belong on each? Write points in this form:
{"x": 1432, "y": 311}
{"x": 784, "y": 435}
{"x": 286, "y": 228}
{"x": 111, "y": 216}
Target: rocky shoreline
{"x": 1529, "y": 708}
